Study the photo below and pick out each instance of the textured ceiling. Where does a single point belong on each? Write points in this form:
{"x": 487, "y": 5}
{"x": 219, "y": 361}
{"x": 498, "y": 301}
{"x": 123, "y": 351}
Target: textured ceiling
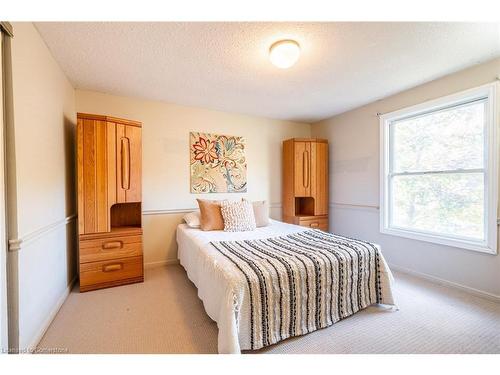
{"x": 225, "y": 66}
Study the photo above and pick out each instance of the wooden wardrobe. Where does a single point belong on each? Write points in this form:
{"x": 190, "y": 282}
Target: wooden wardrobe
{"x": 305, "y": 182}
{"x": 109, "y": 201}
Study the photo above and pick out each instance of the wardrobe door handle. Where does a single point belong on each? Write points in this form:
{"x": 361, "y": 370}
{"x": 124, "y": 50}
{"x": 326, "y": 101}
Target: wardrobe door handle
{"x": 304, "y": 169}
{"x": 308, "y": 169}
{"x": 125, "y": 163}
{"x": 112, "y": 267}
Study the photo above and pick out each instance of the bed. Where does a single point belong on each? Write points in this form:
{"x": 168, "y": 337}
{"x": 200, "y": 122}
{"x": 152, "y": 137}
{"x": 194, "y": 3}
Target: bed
{"x": 280, "y": 281}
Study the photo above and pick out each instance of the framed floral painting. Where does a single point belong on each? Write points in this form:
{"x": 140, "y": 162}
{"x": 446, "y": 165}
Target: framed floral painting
{"x": 217, "y": 163}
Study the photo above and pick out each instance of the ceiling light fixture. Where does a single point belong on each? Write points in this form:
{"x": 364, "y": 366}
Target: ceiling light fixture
{"x": 284, "y": 53}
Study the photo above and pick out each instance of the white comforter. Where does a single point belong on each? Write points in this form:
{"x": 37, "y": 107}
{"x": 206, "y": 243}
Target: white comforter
{"x": 221, "y": 286}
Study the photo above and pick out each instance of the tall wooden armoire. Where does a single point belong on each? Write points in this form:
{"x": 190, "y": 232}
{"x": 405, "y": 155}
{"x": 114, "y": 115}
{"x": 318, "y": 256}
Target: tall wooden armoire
{"x": 109, "y": 201}
{"x": 305, "y": 182}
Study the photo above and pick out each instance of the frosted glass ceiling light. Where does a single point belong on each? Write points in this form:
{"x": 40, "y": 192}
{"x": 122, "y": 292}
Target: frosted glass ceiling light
{"x": 284, "y": 53}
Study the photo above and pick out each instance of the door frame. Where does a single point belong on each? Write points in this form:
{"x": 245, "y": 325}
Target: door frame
{"x": 3, "y": 239}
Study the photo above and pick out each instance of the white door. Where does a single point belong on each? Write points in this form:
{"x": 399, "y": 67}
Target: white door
{"x": 3, "y": 241}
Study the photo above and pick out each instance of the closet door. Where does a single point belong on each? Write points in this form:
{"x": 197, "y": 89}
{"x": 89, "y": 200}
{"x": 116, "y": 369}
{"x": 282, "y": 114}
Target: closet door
{"x": 93, "y": 200}
{"x": 319, "y": 177}
{"x": 302, "y": 169}
{"x": 129, "y": 163}
{"x": 3, "y": 236}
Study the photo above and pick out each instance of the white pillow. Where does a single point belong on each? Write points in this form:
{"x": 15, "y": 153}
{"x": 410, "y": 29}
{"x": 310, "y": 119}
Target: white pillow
{"x": 192, "y": 219}
{"x": 261, "y": 213}
{"x": 238, "y": 216}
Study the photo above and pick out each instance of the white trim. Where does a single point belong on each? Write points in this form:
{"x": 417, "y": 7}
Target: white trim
{"x": 438, "y": 103}
{"x": 354, "y": 206}
{"x": 178, "y": 211}
{"x": 35, "y": 235}
{"x": 161, "y": 263}
{"x": 169, "y": 211}
{"x": 16, "y": 244}
{"x": 491, "y": 170}
{"x": 439, "y": 239}
{"x": 50, "y": 317}
{"x": 3, "y": 233}
{"x": 437, "y": 280}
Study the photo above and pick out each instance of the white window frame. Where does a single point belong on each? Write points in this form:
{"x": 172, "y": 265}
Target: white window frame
{"x": 491, "y": 150}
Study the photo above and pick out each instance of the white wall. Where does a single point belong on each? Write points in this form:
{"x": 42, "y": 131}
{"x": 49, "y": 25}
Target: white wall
{"x": 354, "y": 180}
{"x": 165, "y": 143}
{"x": 44, "y": 116}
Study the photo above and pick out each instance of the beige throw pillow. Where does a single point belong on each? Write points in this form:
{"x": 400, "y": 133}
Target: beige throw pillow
{"x": 261, "y": 213}
{"x": 238, "y": 216}
{"x": 192, "y": 219}
{"x": 210, "y": 215}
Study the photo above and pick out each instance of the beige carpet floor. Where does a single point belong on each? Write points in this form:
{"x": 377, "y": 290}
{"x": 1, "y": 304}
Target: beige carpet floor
{"x": 164, "y": 315}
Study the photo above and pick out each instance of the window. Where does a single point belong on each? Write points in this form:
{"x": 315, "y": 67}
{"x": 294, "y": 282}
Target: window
{"x": 439, "y": 171}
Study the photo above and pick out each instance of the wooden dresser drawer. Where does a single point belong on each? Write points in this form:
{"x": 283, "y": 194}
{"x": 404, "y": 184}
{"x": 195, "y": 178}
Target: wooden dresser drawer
{"x": 314, "y": 223}
{"x": 96, "y": 275}
{"x": 110, "y": 248}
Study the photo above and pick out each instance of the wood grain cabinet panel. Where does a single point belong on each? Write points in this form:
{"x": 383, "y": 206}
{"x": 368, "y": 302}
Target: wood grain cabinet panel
{"x": 129, "y": 163}
{"x": 92, "y": 176}
{"x": 110, "y": 248}
{"x": 109, "y": 154}
{"x": 319, "y": 180}
{"x": 121, "y": 164}
{"x": 302, "y": 171}
{"x": 96, "y": 275}
{"x": 314, "y": 222}
{"x": 305, "y": 182}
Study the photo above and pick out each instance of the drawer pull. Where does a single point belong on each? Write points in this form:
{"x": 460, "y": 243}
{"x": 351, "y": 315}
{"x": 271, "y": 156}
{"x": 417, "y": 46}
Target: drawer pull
{"x": 112, "y": 245}
{"x": 314, "y": 225}
{"x": 112, "y": 267}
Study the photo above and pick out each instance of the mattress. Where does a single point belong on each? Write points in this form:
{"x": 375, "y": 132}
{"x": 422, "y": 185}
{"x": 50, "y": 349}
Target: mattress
{"x": 221, "y": 286}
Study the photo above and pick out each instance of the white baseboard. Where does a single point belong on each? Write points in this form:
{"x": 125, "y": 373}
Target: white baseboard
{"x": 437, "y": 280}
{"x": 38, "y": 337}
{"x": 161, "y": 263}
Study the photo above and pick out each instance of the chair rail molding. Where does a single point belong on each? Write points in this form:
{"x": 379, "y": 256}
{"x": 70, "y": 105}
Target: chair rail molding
{"x": 173, "y": 211}
{"x": 16, "y": 244}
{"x": 354, "y": 206}
{"x": 166, "y": 211}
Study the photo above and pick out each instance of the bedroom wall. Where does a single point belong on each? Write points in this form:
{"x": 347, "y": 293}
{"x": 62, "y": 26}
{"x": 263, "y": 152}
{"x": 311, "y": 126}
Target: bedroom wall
{"x": 44, "y": 120}
{"x": 354, "y": 186}
{"x": 166, "y": 190}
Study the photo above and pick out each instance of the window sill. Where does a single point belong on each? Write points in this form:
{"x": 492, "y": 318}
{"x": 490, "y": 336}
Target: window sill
{"x": 440, "y": 240}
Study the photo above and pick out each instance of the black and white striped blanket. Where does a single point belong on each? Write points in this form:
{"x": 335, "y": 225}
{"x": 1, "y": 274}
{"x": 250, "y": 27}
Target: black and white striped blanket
{"x": 305, "y": 281}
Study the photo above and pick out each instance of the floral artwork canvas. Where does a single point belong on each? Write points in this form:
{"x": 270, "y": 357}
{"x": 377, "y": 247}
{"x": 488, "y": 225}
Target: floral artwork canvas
{"x": 218, "y": 163}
